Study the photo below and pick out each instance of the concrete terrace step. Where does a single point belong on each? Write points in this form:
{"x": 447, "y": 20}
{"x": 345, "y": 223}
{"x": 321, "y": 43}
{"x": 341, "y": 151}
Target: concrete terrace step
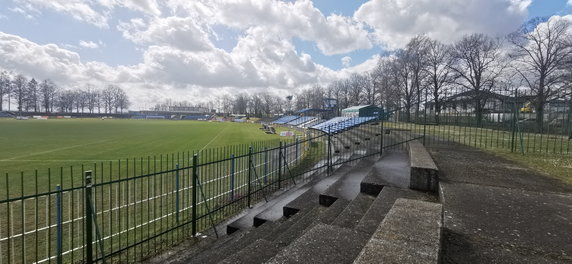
{"x": 227, "y": 247}
{"x": 258, "y": 252}
{"x": 383, "y": 203}
{"x": 352, "y": 214}
{"x": 348, "y": 187}
{"x": 287, "y": 232}
{"x": 410, "y": 233}
{"x": 393, "y": 169}
{"x": 323, "y": 244}
{"x": 285, "y": 203}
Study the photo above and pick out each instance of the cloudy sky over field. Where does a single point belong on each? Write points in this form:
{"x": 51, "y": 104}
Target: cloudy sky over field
{"x": 193, "y": 50}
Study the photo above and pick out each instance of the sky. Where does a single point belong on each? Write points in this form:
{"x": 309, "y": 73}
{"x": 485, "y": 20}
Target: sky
{"x": 202, "y": 49}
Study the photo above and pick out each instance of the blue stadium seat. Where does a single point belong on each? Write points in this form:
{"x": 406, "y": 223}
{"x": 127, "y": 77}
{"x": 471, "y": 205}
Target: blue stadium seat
{"x": 300, "y": 120}
{"x": 339, "y": 124}
{"x": 285, "y": 119}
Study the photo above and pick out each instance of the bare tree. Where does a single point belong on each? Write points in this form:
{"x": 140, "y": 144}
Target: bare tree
{"x": 48, "y": 94}
{"x": 477, "y": 64}
{"x": 355, "y": 85}
{"x": 369, "y": 91}
{"x": 541, "y": 50}
{"x": 438, "y": 71}
{"x": 19, "y": 90}
{"x": 416, "y": 51}
{"x": 5, "y": 87}
{"x": 65, "y": 101}
{"x": 32, "y": 95}
{"x": 403, "y": 79}
{"x": 121, "y": 100}
{"x": 92, "y": 98}
{"x": 108, "y": 98}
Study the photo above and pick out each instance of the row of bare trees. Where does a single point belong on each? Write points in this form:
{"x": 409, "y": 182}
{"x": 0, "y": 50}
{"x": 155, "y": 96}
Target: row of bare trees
{"x": 537, "y": 59}
{"x": 46, "y": 97}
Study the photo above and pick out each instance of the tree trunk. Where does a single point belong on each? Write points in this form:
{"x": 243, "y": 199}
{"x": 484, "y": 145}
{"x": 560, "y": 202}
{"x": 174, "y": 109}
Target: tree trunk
{"x": 479, "y": 112}
{"x": 540, "y": 117}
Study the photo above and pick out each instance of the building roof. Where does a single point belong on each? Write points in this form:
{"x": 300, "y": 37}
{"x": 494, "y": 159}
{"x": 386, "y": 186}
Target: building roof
{"x": 305, "y": 110}
{"x": 355, "y": 108}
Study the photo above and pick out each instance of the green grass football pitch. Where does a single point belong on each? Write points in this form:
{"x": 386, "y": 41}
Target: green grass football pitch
{"x": 27, "y": 145}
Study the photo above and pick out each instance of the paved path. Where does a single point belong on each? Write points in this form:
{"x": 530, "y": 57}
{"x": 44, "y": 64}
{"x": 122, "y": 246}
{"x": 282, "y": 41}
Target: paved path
{"x": 496, "y": 211}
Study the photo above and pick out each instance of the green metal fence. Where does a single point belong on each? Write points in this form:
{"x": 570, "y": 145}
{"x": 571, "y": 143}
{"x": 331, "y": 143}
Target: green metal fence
{"x": 128, "y": 210}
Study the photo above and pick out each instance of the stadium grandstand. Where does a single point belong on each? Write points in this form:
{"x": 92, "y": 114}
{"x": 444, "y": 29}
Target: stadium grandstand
{"x": 351, "y": 117}
{"x": 174, "y": 112}
{"x": 6, "y": 115}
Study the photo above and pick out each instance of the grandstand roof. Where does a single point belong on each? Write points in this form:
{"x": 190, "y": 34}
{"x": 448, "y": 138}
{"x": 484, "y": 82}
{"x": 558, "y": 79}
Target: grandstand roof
{"x": 305, "y": 110}
{"x": 355, "y": 108}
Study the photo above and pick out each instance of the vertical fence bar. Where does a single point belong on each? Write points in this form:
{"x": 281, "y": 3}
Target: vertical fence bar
{"x": 297, "y": 150}
{"x": 265, "y": 165}
{"x": 59, "y": 231}
{"x": 194, "y": 211}
{"x": 177, "y": 191}
{"x": 329, "y": 169}
{"x": 232, "y": 176}
{"x": 280, "y": 165}
{"x": 249, "y": 174}
{"x": 88, "y": 219}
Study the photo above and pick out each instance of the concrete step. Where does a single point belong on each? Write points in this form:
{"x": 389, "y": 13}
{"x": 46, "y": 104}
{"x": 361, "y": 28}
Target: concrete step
{"x": 348, "y": 187}
{"x": 257, "y": 252}
{"x": 299, "y": 227}
{"x": 323, "y": 244}
{"x": 333, "y": 211}
{"x": 286, "y": 231}
{"x": 383, "y": 203}
{"x": 312, "y": 194}
{"x": 410, "y": 233}
{"x": 392, "y": 169}
{"x": 230, "y": 246}
{"x": 192, "y": 247}
{"x": 355, "y": 210}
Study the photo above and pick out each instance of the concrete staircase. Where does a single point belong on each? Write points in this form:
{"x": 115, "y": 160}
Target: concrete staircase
{"x": 350, "y": 216}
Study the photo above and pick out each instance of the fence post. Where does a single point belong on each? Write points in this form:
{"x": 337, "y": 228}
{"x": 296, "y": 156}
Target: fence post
{"x": 265, "y": 165}
{"x": 329, "y": 169}
{"x": 249, "y": 173}
{"x": 88, "y": 219}
{"x": 297, "y": 151}
{"x": 280, "y": 165}
{"x": 513, "y": 127}
{"x": 194, "y": 211}
{"x": 59, "y": 231}
{"x": 380, "y": 133}
{"x": 177, "y": 191}
{"x": 232, "y": 176}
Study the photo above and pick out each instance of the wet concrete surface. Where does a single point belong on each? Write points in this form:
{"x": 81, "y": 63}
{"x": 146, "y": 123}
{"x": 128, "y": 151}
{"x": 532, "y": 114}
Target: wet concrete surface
{"x": 393, "y": 169}
{"x": 496, "y": 211}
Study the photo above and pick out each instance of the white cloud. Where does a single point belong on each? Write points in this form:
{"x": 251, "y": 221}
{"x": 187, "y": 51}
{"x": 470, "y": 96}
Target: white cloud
{"x": 346, "y": 61}
{"x": 49, "y": 61}
{"x": 93, "y": 12}
{"x": 396, "y": 21}
{"x": 182, "y": 33}
{"x": 78, "y": 9}
{"x": 333, "y": 34}
{"x": 569, "y": 2}
{"x": 259, "y": 62}
{"x": 88, "y": 44}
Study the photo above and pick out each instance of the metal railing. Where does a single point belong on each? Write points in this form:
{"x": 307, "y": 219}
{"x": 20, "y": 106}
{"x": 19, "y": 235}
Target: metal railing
{"x": 126, "y": 211}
